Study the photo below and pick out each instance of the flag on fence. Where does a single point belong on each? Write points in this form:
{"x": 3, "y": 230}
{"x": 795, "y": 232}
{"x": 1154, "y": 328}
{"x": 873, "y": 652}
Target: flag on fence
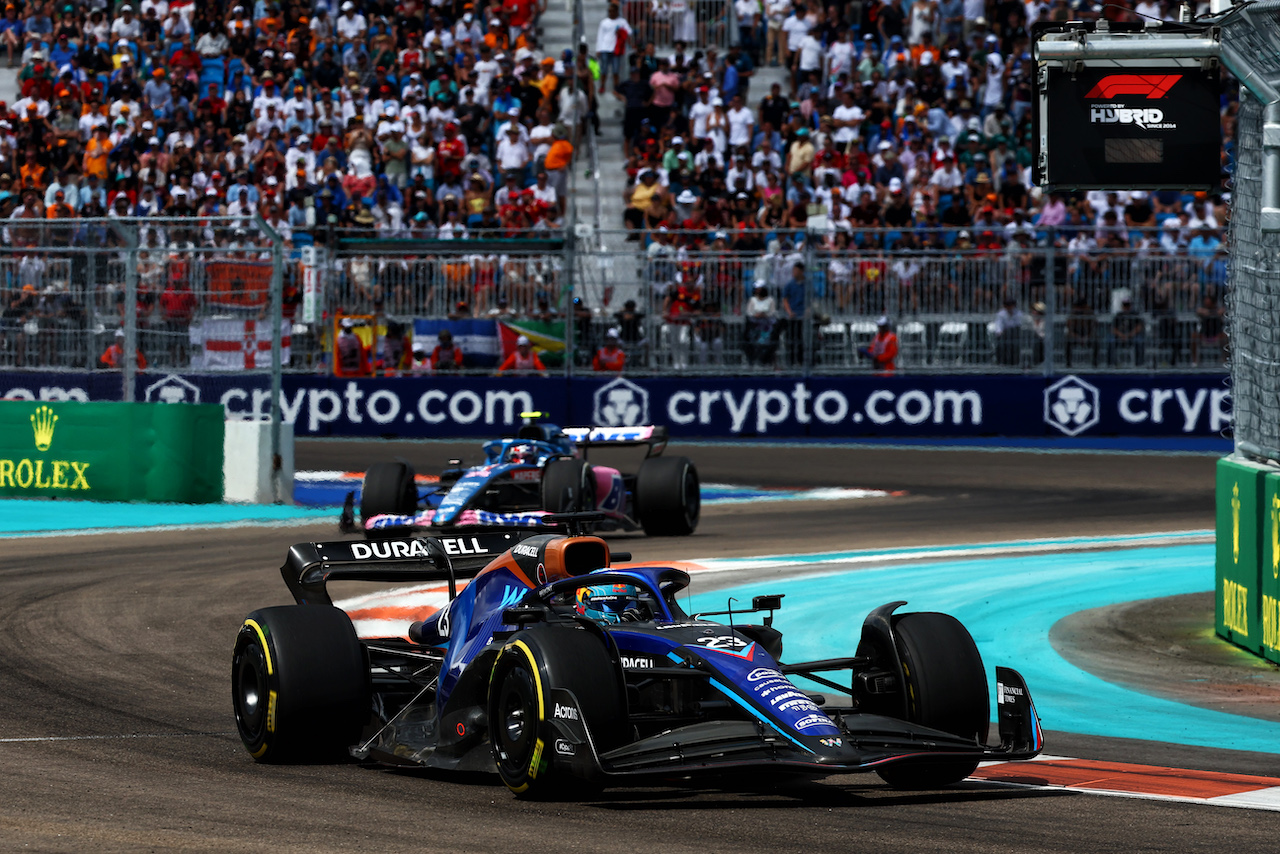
{"x": 546, "y": 337}
{"x": 233, "y": 344}
{"x": 239, "y": 283}
{"x": 477, "y": 338}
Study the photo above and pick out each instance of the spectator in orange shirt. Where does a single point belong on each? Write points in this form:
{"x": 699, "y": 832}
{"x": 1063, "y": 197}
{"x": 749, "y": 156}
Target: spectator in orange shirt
{"x": 446, "y": 356}
{"x": 59, "y": 209}
{"x": 883, "y": 349}
{"x": 610, "y": 357}
{"x": 96, "y": 151}
{"x": 523, "y": 360}
{"x": 558, "y": 161}
{"x": 350, "y": 356}
{"x": 113, "y": 356}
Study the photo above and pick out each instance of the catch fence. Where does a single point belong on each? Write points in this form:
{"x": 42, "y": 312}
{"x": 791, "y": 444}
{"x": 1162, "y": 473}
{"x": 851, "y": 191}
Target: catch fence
{"x": 700, "y": 24}
{"x": 199, "y": 296}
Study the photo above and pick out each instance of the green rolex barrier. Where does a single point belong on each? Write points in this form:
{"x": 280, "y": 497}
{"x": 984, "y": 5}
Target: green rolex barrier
{"x": 1270, "y": 590}
{"x": 111, "y": 451}
{"x": 1238, "y": 574}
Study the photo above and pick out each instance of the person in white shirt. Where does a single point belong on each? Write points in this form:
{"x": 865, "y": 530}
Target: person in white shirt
{"x": 513, "y": 153}
{"x": 796, "y": 28}
{"x": 808, "y": 57}
{"x": 126, "y": 26}
{"x": 351, "y": 25}
{"x": 954, "y": 68}
{"x": 612, "y": 27}
{"x": 840, "y": 56}
{"x": 699, "y": 113}
{"x": 741, "y": 122}
{"x": 846, "y": 118}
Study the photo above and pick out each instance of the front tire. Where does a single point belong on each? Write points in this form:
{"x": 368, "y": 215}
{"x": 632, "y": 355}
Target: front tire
{"x": 946, "y": 686}
{"x": 534, "y": 662}
{"x": 388, "y": 489}
{"x": 299, "y": 684}
{"x": 668, "y": 496}
{"x": 568, "y": 486}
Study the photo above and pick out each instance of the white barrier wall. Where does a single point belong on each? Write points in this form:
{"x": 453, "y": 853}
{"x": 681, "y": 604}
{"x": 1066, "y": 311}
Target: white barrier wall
{"x": 247, "y": 473}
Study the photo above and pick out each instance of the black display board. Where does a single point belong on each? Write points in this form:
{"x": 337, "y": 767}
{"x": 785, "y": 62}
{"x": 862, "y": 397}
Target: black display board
{"x": 1136, "y": 127}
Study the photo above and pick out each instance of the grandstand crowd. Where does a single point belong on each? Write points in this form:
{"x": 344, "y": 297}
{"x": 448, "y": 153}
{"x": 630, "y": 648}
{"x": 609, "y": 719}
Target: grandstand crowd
{"x": 897, "y": 138}
{"x": 375, "y": 116}
{"x": 901, "y": 128}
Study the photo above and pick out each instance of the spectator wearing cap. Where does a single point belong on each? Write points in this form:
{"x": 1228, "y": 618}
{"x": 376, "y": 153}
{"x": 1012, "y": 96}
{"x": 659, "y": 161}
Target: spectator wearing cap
{"x": 351, "y": 356}
{"x": 883, "y": 349}
{"x": 523, "y": 360}
{"x": 611, "y": 356}
{"x": 113, "y": 357}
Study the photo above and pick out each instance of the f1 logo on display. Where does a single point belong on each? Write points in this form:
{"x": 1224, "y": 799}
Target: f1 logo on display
{"x": 1154, "y": 86}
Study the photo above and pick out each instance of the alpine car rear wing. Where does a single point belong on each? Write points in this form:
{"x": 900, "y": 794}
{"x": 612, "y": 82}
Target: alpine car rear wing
{"x": 619, "y": 437}
{"x": 310, "y": 567}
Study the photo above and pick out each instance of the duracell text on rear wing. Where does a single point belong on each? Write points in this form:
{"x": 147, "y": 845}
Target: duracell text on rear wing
{"x": 309, "y": 567}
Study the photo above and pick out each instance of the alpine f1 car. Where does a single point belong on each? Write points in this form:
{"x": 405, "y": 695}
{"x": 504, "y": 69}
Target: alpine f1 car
{"x": 558, "y": 668}
{"x": 542, "y": 469}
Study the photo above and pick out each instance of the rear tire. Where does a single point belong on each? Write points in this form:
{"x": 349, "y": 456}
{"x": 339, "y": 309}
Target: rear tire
{"x": 389, "y": 489}
{"x": 946, "y": 687}
{"x": 668, "y": 497}
{"x": 568, "y": 486}
{"x": 532, "y": 663}
{"x": 299, "y": 684}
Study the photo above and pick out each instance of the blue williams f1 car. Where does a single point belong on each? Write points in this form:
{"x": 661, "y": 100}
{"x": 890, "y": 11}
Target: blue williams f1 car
{"x": 559, "y": 668}
{"x": 542, "y": 470}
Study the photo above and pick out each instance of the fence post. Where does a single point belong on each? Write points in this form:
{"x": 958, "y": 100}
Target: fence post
{"x": 276, "y": 314}
{"x": 810, "y": 309}
{"x": 129, "y": 370}
{"x": 1050, "y": 303}
{"x": 91, "y": 305}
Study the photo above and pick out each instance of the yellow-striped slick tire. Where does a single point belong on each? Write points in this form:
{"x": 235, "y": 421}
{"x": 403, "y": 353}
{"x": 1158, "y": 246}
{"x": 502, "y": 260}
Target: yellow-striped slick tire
{"x": 299, "y": 684}
{"x": 534, "y": 662}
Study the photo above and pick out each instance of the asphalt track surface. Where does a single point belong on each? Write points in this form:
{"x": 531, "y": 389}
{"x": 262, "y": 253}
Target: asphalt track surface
{"x": 116, "y": 732}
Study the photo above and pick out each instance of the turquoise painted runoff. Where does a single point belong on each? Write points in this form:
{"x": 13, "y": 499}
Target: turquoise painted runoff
{"x": 1009, "y": 605}
{"x": 20, "y": 516}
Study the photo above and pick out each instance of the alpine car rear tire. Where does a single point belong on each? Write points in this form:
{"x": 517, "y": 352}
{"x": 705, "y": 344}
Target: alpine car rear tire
{"x": 299, "y": 684}
{"x": 533, "y": 663}
{"x": 946, "y": 689}
{"x": 568, "y": 486}
{"x": 389, "y": 489}
{"x": 668, "y": 496}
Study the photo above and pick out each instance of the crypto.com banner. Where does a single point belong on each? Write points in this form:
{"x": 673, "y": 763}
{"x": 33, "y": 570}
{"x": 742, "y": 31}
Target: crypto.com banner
{"x": 709, "y": 407}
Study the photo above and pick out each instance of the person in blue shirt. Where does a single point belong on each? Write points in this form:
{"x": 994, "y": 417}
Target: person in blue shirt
{"x": 12, "y": 30}
{"x": 793, "y": 309}
{"x": 62, "y": 52}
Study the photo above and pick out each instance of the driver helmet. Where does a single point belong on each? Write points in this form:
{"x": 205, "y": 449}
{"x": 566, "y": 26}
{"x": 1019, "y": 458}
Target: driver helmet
{"x": 522, "y": 454}
{"x": 610, "y": 603}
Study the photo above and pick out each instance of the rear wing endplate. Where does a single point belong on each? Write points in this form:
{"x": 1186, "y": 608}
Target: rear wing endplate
{"x": 310, "y": 567}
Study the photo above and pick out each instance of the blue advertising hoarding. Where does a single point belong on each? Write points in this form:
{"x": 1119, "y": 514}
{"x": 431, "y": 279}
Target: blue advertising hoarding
{"x": 956, "y": 406}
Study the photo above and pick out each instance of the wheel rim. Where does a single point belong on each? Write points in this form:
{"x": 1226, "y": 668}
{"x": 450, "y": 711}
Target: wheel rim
{"x": 516, "y": 726}
{"x": 251, "y": 691}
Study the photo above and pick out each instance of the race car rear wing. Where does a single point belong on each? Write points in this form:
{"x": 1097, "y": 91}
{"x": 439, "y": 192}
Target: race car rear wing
{"x": 619, "y": 437}
{"x": 310, "y": 567}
